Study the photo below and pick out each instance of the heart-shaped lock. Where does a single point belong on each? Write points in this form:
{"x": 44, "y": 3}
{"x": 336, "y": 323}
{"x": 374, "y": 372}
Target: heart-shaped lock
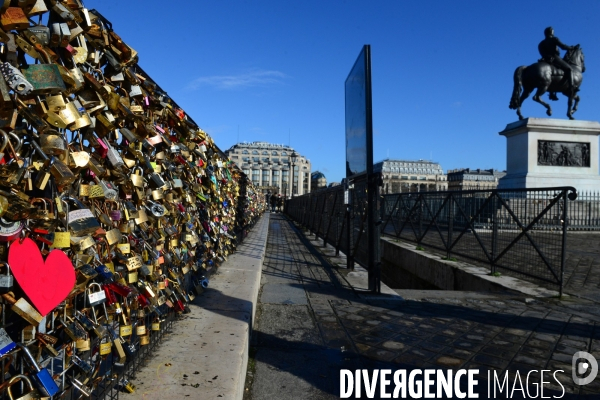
{"x": 46, "y": 283}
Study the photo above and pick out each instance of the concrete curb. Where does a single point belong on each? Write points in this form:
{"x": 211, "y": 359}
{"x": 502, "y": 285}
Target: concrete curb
{"x": 399, "y": 257}
{"x": 207, "y": 357}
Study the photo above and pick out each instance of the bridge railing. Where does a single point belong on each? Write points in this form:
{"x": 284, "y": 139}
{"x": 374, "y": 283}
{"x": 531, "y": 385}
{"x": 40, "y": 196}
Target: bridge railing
{"x": 520, "y": 232}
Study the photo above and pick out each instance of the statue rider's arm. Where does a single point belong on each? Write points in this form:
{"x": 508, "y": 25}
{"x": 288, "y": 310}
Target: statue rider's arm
{"x": 561, "y": 44}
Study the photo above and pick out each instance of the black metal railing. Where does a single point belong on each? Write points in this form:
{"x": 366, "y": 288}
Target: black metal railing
{"x": 584, "y": 213}
{"x": 519, "y": 231}
{"x": 343, "y": 226}
{"x": 323, "y": 213}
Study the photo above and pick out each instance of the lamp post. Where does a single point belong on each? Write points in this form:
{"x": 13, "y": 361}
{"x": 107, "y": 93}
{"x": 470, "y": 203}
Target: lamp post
{"x": 293, "y": 159}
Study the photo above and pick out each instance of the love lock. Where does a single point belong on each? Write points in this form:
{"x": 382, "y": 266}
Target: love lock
{"x": 155, "y": 209}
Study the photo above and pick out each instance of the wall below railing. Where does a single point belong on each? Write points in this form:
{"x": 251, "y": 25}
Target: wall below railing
{"x": 404, "y": 267}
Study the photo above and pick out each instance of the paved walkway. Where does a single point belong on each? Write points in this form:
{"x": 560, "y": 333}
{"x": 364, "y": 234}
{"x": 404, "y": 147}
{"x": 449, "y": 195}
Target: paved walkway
{"x": 311, "y": 323}
{"x": 582, "y": 264}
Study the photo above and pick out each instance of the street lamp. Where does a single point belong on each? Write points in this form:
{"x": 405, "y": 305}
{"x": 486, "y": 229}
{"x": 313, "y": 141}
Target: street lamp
{"x": 293, "y": 159}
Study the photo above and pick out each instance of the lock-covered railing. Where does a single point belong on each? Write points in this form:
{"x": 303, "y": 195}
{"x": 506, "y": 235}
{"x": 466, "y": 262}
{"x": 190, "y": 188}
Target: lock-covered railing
{"x": 115, "y": 206}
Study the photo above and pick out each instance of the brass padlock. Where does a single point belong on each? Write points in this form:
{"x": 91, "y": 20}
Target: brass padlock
{"x": 52, "y": 142}
{"x": 23, "y": 309}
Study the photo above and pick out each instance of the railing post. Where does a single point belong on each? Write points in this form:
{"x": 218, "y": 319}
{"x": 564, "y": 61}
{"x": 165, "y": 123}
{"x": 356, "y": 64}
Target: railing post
{"x": 494, "y": 236}
{"x": 565, "y": 222}
{"x": 450, "y": 224}
{"x": 421, "y": 198}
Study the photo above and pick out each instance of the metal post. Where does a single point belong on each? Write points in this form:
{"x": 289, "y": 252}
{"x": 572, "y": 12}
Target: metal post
{"x": 349, "y": 228}
{"x": 450, "y": 223}
{"x": 564, "y": 241}
{"x": 494, "y": 237}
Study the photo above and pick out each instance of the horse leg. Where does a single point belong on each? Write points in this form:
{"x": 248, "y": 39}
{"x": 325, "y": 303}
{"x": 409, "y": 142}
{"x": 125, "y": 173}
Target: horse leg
{"x": 576, "y": 103}
{"x": 570, "y": 106}
{"x": 526, "y": 92}
{"x": 538, "y": 97}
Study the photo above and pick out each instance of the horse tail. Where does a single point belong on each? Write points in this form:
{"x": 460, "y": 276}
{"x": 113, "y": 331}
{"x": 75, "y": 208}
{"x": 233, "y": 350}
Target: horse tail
{"x": 517, "y": 89}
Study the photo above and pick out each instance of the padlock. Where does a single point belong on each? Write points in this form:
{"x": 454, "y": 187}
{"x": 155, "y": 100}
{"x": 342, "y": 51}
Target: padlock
{"x": 23, "y": 309}
{"x": 31, "y": 393}
{"x": 136, "y": 177}
{"x": 157, "y": 210}
{"x": 6, "y": 343}
{"x": 41, "y": 376}
{"x": 110, "y": 191}
{"x": 115, "y": 213}
{"x": 81, "y": 221}
{"x": 6, "y": 281}
{"x": 97, "y": 297}
{"x": 45, "y": 78}
{"x": 128, "y": 386}
{"x": 124, "y": 247}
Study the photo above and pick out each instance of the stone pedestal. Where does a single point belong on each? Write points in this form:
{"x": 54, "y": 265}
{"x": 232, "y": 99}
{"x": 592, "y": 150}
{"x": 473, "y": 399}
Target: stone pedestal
{"x": 544, "y": 152}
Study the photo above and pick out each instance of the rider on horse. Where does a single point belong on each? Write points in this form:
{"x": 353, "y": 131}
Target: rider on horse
{"x": 548, "y": 49}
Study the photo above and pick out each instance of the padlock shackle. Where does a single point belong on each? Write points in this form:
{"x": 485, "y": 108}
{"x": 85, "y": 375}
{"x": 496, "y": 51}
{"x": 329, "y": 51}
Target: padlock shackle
{"x": 14, "y": 379}
{"x": 29, "y": 356}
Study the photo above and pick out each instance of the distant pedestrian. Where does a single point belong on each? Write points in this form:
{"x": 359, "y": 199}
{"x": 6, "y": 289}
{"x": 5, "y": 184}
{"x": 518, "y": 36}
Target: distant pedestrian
{"x": 280, "y": 203}
{"x": 273, "y": 201}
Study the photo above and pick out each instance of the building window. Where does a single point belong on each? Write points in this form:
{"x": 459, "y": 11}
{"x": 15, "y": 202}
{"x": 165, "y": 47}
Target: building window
{"x": 265, "y": 159}
{"x": 274, "y": 153}
{"x": 266, "y": 177}
{"x": 245, "y": 152}
{"x": 265, "y": 153}
{"x": 283, "y": 153}
{"x": 255, "y": 159}
{"x": 285, "y": 175}
{"x": 247, "y": 172}
{"x": 255, "y": 152}
{"x": 404, "y": 177}
{"x": 275, "y": 159}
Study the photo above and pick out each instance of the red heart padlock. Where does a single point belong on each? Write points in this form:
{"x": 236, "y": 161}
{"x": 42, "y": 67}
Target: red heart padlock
{"x": 45, "y": 283}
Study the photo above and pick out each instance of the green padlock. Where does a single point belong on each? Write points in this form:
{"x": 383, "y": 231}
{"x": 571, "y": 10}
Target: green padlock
{"x": 45, "y": 78}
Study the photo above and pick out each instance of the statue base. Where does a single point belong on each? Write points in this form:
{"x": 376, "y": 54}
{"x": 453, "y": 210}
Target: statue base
{"x": 544, "y": 152}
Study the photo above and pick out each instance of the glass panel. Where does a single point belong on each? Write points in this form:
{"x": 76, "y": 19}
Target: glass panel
{"x": 356, "y": 118}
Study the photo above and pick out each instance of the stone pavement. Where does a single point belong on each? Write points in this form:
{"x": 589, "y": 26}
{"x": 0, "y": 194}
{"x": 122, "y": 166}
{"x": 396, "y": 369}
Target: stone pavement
{"x": 311, "y": 323}
{"x": 582, "y": 265}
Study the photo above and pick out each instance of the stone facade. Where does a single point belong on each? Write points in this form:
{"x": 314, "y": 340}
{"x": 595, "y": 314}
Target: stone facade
{"x": 473, "y": 179}
{"x": 400, "y": 176}
{"x": 268, "y": 166}
{"x": 317, "y": 181}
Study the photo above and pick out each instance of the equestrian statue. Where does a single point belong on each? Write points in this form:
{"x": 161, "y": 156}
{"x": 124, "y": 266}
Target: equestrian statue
{"x": 550, "y": 74}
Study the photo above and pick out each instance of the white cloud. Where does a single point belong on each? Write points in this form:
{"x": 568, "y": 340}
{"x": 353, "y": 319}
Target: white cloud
{"x": 247, "y": 79}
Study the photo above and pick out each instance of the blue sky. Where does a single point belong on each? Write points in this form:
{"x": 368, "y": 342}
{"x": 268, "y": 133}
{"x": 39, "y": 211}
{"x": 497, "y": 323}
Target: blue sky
{"x": 274, "y": 70}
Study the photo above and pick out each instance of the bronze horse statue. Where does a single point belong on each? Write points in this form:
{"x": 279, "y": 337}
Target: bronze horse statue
{"x": 547, "y": 78}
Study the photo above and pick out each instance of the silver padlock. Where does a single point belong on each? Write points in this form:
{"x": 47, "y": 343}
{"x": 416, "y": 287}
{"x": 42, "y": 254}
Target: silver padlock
{"x": 6, "y": 343}
{"x": 113, "y": 156}
{"x": 155, "y": 209}
{"x": 110, "y": 191}
{"x": 95, "y": 298}
{"x": 6, "y": 281}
